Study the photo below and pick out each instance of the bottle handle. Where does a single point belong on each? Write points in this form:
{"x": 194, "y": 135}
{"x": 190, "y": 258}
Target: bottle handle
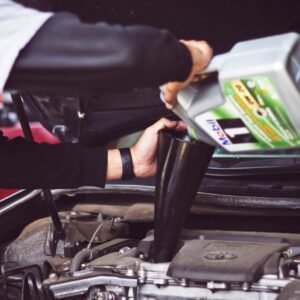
{"x": 215, "y": 64}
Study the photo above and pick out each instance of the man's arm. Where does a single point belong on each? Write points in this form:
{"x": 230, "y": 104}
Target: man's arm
{"x": 68, "y": 56}
{"x": 30, "y": 165}
{"x": 26, "y": 164}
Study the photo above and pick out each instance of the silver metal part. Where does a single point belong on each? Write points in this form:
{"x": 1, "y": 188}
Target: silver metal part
{"x": 82, "y": 281}
{"x": 20, "y": 200}
{"x": 152, "y": 292}
{"x": 155, "y": 274}
{"x": 106, "y": 296}
{"x": 53, "y": 277}
{"x": 146, "y": 280}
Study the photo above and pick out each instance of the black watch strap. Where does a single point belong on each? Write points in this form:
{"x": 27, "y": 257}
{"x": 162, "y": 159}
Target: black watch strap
{"x": 127, "y": 164}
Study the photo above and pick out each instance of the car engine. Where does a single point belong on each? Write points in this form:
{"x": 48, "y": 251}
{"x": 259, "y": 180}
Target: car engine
{"x": 98, "y": 259}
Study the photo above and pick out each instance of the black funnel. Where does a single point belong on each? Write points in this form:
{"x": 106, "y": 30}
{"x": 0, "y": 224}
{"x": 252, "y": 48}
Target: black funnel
{"x": 181, "y": 167}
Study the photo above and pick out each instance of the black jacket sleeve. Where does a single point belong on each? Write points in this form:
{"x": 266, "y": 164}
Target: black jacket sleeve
{"x": 31, "y": 165}
{"x": 69, "y": 56}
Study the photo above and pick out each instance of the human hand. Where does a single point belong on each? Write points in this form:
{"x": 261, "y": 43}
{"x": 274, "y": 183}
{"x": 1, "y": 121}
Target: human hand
{"x": 144, "y": 151}
{"x": 201, "y": 54}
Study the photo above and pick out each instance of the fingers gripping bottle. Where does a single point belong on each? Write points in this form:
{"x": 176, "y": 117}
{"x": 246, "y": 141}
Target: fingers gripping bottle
{"x": 251, "y": 101}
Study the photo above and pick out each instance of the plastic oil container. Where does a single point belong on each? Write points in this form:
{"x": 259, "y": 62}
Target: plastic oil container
{"x": 251, "y": 101}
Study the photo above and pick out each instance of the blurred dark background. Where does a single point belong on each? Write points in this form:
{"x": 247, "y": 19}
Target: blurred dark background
{"x": 221, "y": 22}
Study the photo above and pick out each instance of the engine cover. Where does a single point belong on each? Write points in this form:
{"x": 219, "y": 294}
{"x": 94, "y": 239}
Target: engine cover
{"x": 201, "y": 269}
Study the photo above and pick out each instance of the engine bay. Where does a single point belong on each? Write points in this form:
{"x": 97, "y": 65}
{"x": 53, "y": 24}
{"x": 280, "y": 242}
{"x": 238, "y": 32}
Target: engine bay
{"x": 99, "y": 259}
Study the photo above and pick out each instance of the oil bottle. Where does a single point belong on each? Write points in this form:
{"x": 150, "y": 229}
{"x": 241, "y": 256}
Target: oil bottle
{"x": 251, "y": 99}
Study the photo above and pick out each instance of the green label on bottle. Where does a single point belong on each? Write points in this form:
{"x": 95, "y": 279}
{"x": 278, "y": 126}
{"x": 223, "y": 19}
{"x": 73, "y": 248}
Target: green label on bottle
{"x": 252, "y": 118}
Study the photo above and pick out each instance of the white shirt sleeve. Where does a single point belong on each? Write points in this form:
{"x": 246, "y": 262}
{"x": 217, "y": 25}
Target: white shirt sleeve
{"x": 18, "y": 25}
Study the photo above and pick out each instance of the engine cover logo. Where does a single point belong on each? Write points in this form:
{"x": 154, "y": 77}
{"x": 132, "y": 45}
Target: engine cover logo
{"x": 220, "y": 255}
